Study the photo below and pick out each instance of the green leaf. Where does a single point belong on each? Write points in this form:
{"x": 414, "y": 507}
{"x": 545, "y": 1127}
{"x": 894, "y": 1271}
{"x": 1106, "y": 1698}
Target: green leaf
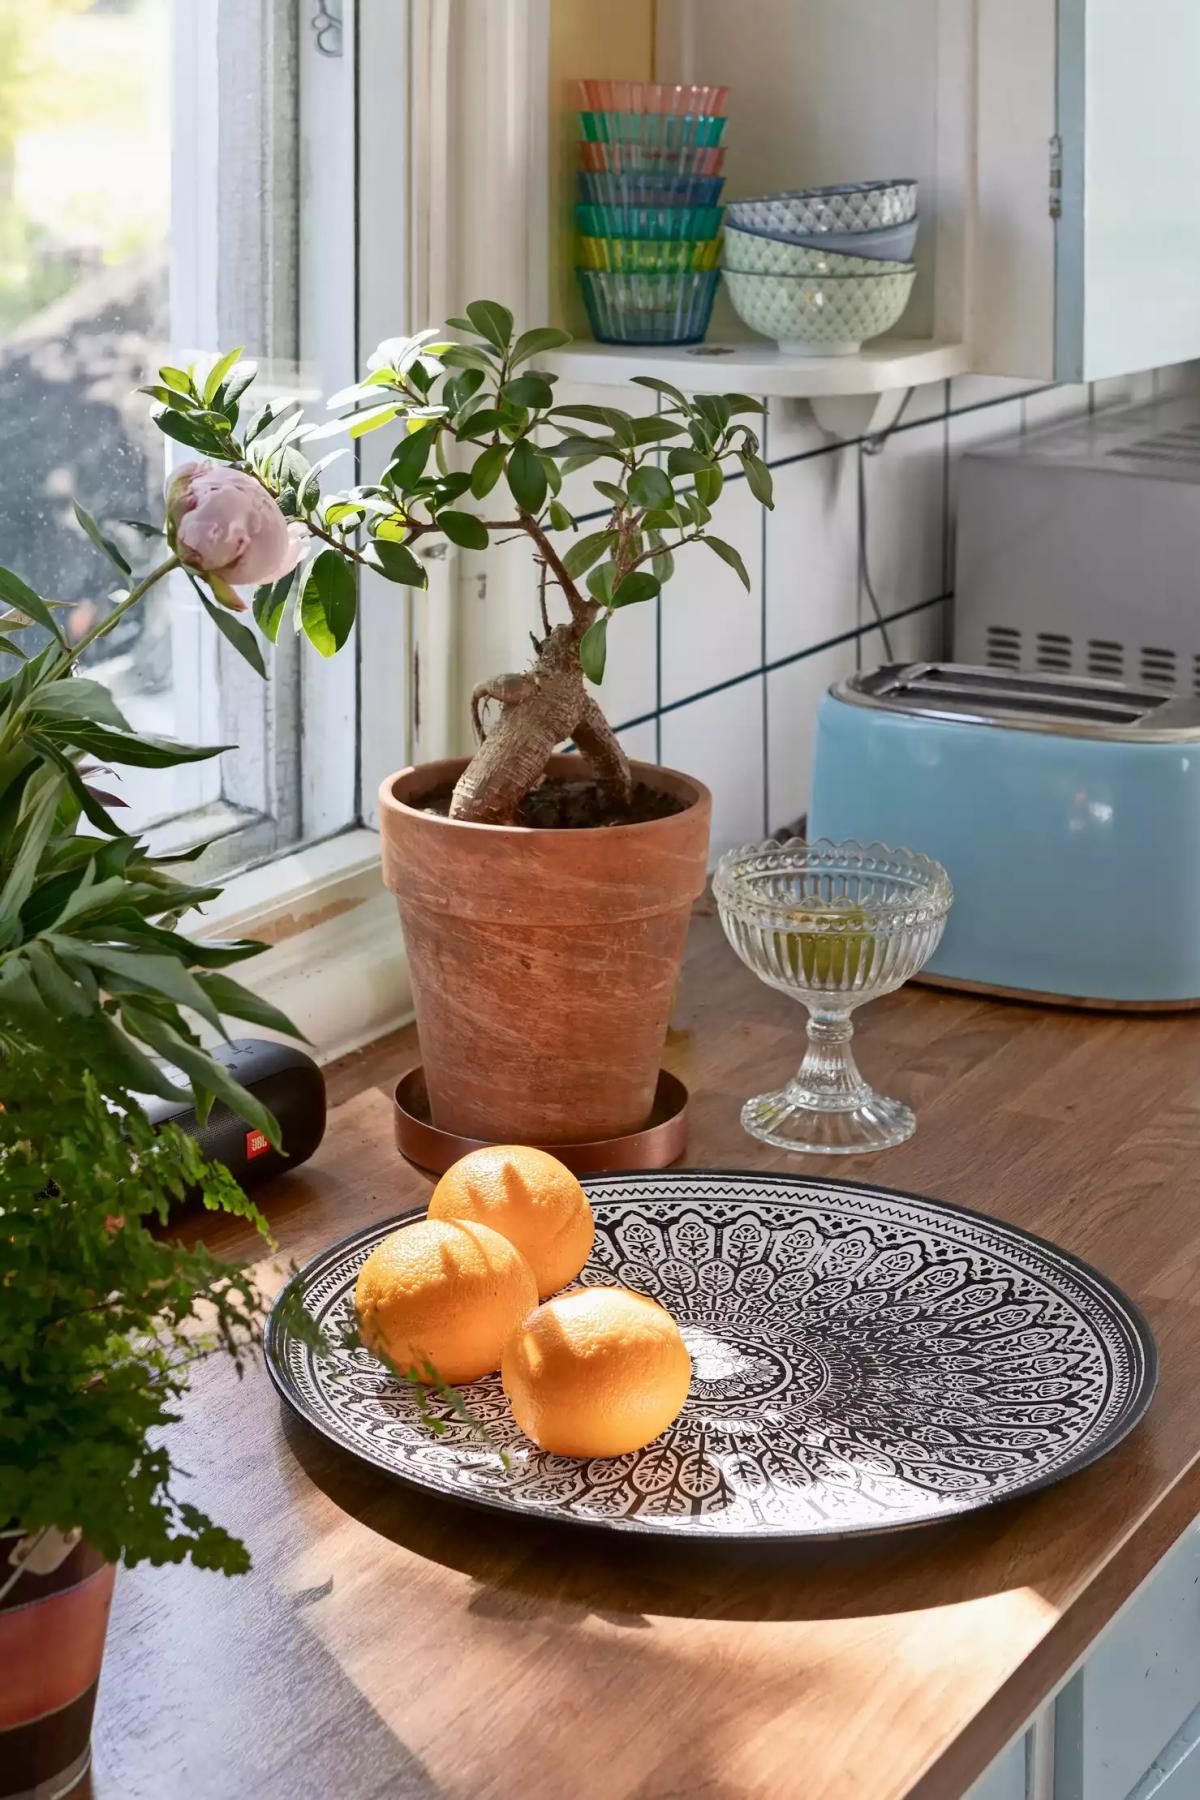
{"x": 487, "y": 469}
{"x": 593, "y": 650}
{"x": 650, "y": 430}
{"x": 270, "y": 604}
{"x": 461, "y": 388}
{"x": 528, "y": 390}
{"x": 218, "y": 372}
{"x": 591, "y": 415}
{"x": 526, "y": 477}
{"x": 200, "y": 1068}
{"x": 398, "y": 563}
{"x": 492, "y": 321}
{"x": 464, "y": 529}
{"x": 239, "y": 635}
{"x": 729, "y": 555}
{"x": 663, "y": 563}
{"x": 600, "y": 583}
{"x": 147, "y": 974}
{"x": 466, "y": 356}
{"x": 411, "y": 455}
{"x": 713, "y": 407}
{"x": 649, "y": 487}
{"x": 91, "y": 807}
{"x": 192, "y": 432}
{"x": 709, "y": 483}
{"x": 177, "y": 379}
{"x": 585, "y": 551}
{"x": 236, "y": 1002}
{"x": 612, "y": 492}
{"x": 637, "y": 586}
{"x": 743, "y": 403}
{"x": 682, "y": 461}
{"x": 74, "y": 697}
{"x": 560, "y": 518}
{"x": 664, "y": 518}
{"x": 35, "y": 831}
{"x": 329, "y": 603}
{"x": 663, "y": 387}
{"x": 17, "y": 593}
{"x": 140, "y": 752}
{"x": 532, "y": 343}
{"x": 553, "y": 473}
{"x": 758, "y": 479}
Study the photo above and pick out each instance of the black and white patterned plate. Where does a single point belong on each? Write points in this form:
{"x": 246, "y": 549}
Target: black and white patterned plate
{"x": 863, "y": 1360}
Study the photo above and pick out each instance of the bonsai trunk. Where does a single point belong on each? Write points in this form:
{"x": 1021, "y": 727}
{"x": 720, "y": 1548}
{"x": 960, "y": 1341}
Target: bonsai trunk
{"x": 540, "y": 709}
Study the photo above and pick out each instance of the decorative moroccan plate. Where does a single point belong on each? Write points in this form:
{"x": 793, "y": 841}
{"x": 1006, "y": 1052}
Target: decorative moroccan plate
{"x": 863, "y": 1360}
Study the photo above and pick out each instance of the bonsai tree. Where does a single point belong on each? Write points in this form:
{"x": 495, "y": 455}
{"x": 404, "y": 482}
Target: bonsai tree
{"x": 482, "y": 452}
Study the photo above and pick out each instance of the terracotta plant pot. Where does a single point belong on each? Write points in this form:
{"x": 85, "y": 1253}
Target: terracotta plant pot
{"x": 52, "y": 1631}
{"x": 543, "y": 963}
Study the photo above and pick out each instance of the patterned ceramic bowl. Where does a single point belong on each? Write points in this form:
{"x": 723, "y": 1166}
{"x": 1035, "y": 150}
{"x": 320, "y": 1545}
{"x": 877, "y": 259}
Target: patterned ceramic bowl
{"x": 662, "y": 223}
{"x": 651, "y": 96}
{"x": 641, "y": 159}
{"x": 649, "y": 190}
{"x": 655, "y": 131}
{"x": 856, "y": 206}
{"x": 820, "y": 315}
{"x": 648, "y": 309}
{"x": 643, "y": 256}
{"x": 891, "y": 243}
{"x": 752, "y": 254}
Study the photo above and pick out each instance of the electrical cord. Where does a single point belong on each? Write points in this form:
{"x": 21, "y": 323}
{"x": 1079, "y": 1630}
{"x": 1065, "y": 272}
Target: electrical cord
{"x": 872, "y": 446}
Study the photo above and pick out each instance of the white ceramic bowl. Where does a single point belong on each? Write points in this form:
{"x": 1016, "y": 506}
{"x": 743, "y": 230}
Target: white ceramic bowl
{"x": 820, "y": 315}
{"x": 854, "y": 206}
{"x": 747, "y": 252}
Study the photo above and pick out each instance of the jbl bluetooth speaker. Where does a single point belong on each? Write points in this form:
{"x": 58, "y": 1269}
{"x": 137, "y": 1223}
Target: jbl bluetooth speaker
{"x": 286, "y": 1081}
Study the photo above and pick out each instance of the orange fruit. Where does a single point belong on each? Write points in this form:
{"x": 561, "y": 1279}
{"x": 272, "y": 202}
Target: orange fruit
{"x": 531, "y": 1199}
{"x": 596, "y": 1372}
{"x": 444, "y": 1293}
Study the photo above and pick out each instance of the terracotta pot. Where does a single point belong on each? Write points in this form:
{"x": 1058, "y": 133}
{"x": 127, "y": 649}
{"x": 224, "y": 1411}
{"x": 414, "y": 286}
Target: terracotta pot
{"x": 543, "y": 963}
{"x": 52, "y": 1631}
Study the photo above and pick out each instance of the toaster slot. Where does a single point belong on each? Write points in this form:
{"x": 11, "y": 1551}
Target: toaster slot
{"x": 958, "y": 691}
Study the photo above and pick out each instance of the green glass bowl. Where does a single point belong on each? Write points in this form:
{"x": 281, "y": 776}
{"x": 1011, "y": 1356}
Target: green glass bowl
{"x": 645, "y": 256}
{"x": 663, "y": 224}
{"x": 660, "y": 131}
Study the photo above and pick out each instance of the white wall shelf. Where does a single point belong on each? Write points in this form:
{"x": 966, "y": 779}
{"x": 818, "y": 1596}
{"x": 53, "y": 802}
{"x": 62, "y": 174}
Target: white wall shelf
{"x": 755, "y": 366}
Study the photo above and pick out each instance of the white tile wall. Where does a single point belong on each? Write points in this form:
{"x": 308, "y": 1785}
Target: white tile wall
{"x": 706, "y": 605}
{"x": 720, "y": 740}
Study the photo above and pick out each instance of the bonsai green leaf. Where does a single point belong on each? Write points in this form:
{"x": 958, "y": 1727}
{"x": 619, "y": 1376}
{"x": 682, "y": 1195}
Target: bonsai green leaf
{"x": 591, "y": 415}
{"x": 637, "y": 586}
{"x": 709, "y": 483}
{"x": 532, "y": 343}
{"x": 743, "y": 403}
{"x": 585, "y": 551}
{"x": 663, "y": 564}
{"x": 579, "y": 444}
{"x": 552, "y": 471}
{"x": 487, "y": 469}
{"x": 682, "y": 461}
{"x": 649, "y": 487}
{"x": 663, "y": 518}
{"x": 560, "y": 518}
{"x": 270, "y": 604}
{"x": 397, "y": 563}
{"x": 713, "y": 407}
{"x": 410, "y": 457}
{"x": 729, "y": 555}
{"x": 236, "y": 1002}
{"x": 488, "y": 419}
{"x": 461, "y": 388}
{"x": 329, "y": 603}
{"x": 101, "y": 542}
{"x": 464, "y": 529}
{"x": 656, "y": 426}
{"x": 492, "y": 321}
{"x": 528, "y": 390}
{"x": 758, "y": 479}
{"x": 77, "y": 698}
{"x": 593, "y": 649}
{"x": 466, "y": 356}
{"x": 600, "y": 583}
{"x": 19, "y": 594}
{"x": 663, "y": 387}
{"x": 526, "y": 477}
{"x": 237, "y": 634}
{"x": 218, "y": 372}
{"x": 612, "y": 492}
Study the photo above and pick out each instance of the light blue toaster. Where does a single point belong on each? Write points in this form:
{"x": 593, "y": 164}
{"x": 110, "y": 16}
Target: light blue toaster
{"x": 1066, "y": 810}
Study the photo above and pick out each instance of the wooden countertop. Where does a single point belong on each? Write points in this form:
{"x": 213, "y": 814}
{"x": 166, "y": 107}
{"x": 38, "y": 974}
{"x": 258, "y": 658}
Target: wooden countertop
{"x": 391, "y": 1645}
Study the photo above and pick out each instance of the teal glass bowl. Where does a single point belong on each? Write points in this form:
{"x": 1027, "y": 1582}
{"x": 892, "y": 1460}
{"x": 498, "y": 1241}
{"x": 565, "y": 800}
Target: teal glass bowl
{"x": 649, "y": 190}
{"x": 625, "y": 308}
{"x": 662, "y": 224}
{"x": 657, "y": 130}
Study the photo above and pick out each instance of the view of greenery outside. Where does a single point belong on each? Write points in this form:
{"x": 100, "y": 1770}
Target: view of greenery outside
{"x": 85, "y": 185}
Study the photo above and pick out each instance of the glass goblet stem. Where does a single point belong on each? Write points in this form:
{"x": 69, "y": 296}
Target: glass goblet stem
{"x": 828, "y": 1078}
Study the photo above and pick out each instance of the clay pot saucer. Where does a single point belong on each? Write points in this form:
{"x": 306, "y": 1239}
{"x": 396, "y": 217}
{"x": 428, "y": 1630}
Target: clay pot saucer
{"x": 656, "y": 1146}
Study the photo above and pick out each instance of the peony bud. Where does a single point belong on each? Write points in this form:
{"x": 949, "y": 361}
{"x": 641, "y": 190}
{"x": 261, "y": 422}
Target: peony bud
{"x": 224, "y": 524}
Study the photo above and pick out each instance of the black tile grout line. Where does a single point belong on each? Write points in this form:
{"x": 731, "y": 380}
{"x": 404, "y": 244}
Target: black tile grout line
{"x": 799, "y": 456}
{"x": 762, "y": 643}
{"x": 781, "y": 662}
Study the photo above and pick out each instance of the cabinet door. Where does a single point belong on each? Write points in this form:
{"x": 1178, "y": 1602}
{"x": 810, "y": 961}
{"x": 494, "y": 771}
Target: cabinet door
{"x": 1127, "y": 260}
{"x": 1086, "y": 256}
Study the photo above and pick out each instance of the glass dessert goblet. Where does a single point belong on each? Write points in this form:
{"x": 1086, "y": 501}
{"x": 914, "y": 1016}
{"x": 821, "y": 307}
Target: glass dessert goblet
{"x": 833, "y": 925}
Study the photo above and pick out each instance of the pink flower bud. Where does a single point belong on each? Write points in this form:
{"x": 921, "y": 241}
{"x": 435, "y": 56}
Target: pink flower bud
{"x": 222, "y": 522}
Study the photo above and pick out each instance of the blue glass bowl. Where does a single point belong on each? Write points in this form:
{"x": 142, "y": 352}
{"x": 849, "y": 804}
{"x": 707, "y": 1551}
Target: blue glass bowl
{"x": 626, "y": 308}
{"x": 665, "y": 131}
{"x": 649, "y": 190}
{"x": 662, "y": 224}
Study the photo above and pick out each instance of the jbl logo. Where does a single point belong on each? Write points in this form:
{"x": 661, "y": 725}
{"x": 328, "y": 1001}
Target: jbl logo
{"x": 256, "y": 1144}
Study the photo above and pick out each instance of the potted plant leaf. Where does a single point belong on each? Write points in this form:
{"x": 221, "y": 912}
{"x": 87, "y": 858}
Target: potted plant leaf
{"x": 545, "y": 899}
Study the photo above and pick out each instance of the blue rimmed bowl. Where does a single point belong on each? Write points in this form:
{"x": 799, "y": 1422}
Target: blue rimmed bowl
{"x": 852, "y": 206}
{"x": 891, "y": 243}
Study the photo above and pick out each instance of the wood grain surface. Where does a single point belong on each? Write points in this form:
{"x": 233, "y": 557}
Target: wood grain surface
{"x": 392, "y": 1645}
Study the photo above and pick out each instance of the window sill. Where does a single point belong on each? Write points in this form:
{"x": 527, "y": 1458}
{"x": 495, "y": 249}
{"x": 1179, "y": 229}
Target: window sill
{"x": 336, "y": 962}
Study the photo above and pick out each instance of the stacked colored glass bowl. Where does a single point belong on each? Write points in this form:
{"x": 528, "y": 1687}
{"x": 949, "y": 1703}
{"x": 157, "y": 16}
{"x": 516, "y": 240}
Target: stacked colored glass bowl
{"x": 649, "y": 218}
{"x": 821, "y": 270}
